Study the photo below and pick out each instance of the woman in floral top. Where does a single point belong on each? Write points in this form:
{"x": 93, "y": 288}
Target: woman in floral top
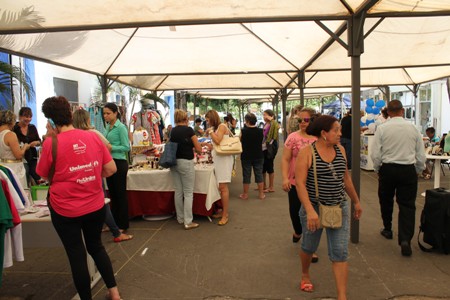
{"x": 295, "y": 141}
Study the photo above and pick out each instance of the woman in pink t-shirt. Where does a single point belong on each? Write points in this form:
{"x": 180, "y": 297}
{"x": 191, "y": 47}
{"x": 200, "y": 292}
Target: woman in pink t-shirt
{"x": 76, "y": 201}
{"x": 295, "y": 141}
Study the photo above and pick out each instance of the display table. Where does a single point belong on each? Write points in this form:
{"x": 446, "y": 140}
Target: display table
{"x": 151, "y": 192}
{"x": 437, "y": 167}
{"x": 366, "y": 150}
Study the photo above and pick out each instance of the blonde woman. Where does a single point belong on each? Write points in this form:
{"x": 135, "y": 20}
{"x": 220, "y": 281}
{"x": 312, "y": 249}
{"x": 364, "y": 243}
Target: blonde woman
{"x": 11, "y": 153}
{"x": 293, "y": 124}
{"x": 183, "y": 174}
{"x": 223, "y": 164}
{"x": 82, "y": 120}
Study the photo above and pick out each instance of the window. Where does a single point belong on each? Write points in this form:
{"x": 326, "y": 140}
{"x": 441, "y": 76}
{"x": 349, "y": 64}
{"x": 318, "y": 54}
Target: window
{"x": 66, "y": 88}
{"x": 425, "y": 93}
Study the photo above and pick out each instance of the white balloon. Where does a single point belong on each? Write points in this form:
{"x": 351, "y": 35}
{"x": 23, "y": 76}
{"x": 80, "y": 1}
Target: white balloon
{"x": 372, "y": 127}
{"x": 370, "y": 116}
{"x": 364, "y": 119}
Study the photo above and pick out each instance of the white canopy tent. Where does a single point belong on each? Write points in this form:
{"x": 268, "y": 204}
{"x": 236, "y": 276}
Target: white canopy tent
{"x": 235, "y": 44}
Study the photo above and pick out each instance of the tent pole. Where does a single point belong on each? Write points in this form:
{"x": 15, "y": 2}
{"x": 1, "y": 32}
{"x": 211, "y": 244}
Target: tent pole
{"x": 417, "y": 113}
{"x": 355, "y": 49}
{"x": 283, "y": 110}
{"x": 301, "y": 86}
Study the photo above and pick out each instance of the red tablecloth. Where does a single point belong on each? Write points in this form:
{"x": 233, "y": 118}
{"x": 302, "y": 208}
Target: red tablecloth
{"x": 162, "y": 203}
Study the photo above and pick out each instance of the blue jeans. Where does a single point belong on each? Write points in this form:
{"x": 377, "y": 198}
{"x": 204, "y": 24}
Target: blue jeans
{"x": 183, "y": 175}
{"x": 337, "y": 238}
{"x": 247, "y": 165}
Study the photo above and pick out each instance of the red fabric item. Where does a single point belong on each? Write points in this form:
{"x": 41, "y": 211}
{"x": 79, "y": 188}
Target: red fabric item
{"x": 77, "y": 184}
{"x": 15, "y": 215}
{"x": 162, "y": 203}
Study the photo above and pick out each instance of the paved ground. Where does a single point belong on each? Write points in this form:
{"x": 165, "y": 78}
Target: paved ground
{"x": 252, "y": 257}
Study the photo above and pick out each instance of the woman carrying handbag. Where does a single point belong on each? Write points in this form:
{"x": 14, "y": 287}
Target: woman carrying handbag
{"x": 223, "y": 164}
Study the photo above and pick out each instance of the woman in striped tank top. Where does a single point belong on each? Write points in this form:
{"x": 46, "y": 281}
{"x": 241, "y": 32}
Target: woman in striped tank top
{"x": 333, "y": 181}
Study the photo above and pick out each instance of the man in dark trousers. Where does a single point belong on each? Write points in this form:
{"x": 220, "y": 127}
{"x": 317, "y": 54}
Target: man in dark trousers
{"x": 398, "y": 156}
{"x": 346, "y": 138}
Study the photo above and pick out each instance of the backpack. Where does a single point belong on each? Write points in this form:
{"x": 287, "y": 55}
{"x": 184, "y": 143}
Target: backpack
{"x": 435, "y": 221}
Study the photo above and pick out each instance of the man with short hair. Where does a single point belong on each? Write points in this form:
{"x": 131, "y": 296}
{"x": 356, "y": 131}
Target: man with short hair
{"x": 398, "y": 156}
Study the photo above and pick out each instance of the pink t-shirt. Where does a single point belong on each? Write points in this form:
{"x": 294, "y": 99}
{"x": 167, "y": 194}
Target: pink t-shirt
{"x": 295, "y": 142}
{"x": 76, "y": 188}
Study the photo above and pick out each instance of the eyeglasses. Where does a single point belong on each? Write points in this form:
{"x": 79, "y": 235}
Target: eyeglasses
{"x": 306, "y": 120}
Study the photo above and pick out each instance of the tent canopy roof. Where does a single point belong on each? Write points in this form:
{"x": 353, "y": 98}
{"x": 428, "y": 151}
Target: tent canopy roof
{"x": 203, "y": 44}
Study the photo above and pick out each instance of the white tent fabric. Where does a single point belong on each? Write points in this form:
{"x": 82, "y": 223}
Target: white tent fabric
{"x": 166, "y": 45}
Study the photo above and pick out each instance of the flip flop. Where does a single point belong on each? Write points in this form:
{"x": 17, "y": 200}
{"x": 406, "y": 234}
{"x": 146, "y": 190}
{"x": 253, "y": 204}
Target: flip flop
{"x": 269, "y": 191}
{"x": 243, "y": 197}
{"x": 127, "y": 237}
{"x": 307, "y": 287}
{"x": 217, "y": 216}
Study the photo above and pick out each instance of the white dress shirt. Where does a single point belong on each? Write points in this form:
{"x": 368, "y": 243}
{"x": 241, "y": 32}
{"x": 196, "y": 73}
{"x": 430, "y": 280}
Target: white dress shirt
{"x": 398, "y": 142}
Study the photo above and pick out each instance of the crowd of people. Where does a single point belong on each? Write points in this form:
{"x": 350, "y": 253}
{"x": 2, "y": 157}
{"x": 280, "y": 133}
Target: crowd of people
{"x": 314, "y": 170}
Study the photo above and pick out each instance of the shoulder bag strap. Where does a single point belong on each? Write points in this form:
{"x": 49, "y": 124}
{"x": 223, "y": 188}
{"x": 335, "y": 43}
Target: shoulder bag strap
{"x": 315, "y": 172}
{"x": 54, "y": 151}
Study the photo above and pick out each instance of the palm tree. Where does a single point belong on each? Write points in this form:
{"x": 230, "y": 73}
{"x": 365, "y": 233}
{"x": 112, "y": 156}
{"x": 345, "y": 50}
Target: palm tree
{"x": 12, "y": 75}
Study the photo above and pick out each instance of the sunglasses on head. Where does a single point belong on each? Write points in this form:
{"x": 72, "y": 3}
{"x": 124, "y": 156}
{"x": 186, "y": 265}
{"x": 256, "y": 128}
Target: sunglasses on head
{"x": 306, "y": 120}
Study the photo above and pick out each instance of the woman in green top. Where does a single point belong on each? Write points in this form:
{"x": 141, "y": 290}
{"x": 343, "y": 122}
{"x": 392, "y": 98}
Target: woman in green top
{"x": 117, "y": 135}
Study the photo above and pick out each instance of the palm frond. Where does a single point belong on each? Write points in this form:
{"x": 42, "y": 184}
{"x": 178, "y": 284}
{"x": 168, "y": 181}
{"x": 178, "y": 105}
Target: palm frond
{"x": 19, "y": 76}
{"x": 156, "y": 98}
{"x": 27, "y": 17}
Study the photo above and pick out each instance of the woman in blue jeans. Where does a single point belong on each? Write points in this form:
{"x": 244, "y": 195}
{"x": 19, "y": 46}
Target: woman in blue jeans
{"x": 333, "y": 181}
{"x": 183, "y": 174}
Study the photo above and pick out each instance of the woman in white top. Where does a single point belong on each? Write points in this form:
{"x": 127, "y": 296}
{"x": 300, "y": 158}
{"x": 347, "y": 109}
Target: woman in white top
{"x": 11, "y": 153}
{"x": 223, "y": 164}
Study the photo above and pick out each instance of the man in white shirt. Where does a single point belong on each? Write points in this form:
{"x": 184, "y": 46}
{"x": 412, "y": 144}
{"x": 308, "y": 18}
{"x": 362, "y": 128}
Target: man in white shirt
{"x": 398, "y": 156}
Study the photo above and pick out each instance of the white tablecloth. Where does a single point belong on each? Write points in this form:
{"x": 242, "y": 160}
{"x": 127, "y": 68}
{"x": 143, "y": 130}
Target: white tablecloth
{"x": 161, "y": 181}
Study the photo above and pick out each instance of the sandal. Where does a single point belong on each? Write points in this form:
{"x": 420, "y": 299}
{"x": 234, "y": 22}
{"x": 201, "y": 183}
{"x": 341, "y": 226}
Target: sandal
{"x": 306, "y": 286}
{"x": 223, "y": 222}
{"x": 268, "y": 191}
{"x": 217, "y": 216}
{"x": 123, "y": 238}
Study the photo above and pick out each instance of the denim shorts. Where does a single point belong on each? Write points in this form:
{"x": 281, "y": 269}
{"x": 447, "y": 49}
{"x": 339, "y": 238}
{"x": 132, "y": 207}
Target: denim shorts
{"x": 337, "y": 239}
{"x": 247, "y": 165}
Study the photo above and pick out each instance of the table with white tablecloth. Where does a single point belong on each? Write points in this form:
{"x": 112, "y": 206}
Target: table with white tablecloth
{"x": 151, "y": 192}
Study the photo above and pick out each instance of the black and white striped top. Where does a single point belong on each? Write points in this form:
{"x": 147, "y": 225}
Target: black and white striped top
{"x": 330, "y": 179}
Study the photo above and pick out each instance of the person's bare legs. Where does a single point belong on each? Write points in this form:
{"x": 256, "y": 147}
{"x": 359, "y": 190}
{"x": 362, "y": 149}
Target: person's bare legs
{"x": 225, "y": 196}
{"x": 261, "y": 191}
{"x": 113, "y": 294}
{"x": 271, "y": 180}
{"x": 306, "y": 262}
{"x": 340, "y": 270}
{"x": 244, "y": 194}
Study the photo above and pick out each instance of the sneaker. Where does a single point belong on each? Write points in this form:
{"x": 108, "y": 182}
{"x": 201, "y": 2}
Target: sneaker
{"x": 406, "y": 248}
{"x": 387, "y": 234}
{"x": 191, "y": 226}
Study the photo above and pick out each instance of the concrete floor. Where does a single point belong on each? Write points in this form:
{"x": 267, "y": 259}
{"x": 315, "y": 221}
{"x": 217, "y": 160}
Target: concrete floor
{"x": 252, "y": 257}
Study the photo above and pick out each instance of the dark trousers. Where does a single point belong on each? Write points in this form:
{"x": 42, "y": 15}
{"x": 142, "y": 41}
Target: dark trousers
{"x": 117, "y": 185}
{"x": 401, "y": 181}
{"x": 294, "y": 210}
{"x": 69, "y": 231}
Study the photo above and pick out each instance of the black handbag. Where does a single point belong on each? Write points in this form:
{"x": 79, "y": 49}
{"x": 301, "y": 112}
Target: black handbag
{"x": 169, "y": 156}
{"x": 272, "y": 150}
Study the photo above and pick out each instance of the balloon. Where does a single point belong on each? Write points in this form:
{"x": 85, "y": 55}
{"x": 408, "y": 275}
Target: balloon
{"x": 370, "y": 102}
{"x": 364, "y": 119}
{"x": 362, "y": 124}
{"x": 372, "y": 127}
{"x": 370, "y": 117}
{"x": 375, "y": 110}
{"x": 380, "y": 104}
{"x": 369, "y": 109}
{"x": 370, "y": 122}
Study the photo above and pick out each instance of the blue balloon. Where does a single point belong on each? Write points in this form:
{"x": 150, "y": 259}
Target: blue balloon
{"x": 375, "y": 110}
{"x": 370, "y": 122}
{"x": 369, "y": 109}
{"x": 370, "y": 102}
{"x": 380, "y": 104}
{"x": 362, "y": 123}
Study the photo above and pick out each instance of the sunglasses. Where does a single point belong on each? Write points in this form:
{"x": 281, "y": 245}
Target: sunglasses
{"x": 306, "y": 120}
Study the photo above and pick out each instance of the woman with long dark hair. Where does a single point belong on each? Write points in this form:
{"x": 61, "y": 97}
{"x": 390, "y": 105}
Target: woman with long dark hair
{"x": 117, "y": 135}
